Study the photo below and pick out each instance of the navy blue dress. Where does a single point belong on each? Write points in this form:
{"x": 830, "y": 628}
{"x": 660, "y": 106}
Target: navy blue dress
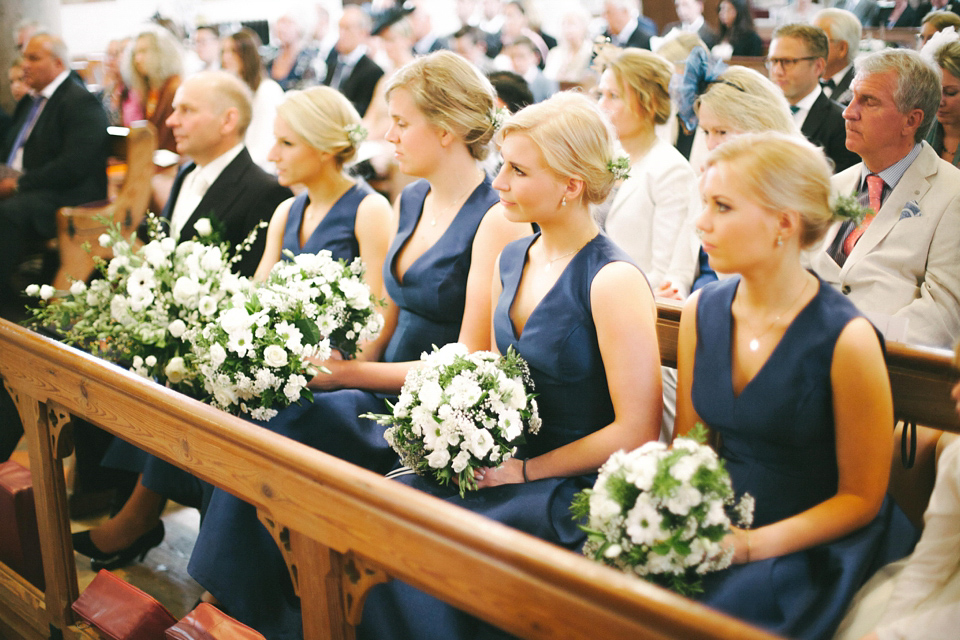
{"x": 235, "y": 558}
{"x": 778, "y": 443}
{"x": 559, "y": 341}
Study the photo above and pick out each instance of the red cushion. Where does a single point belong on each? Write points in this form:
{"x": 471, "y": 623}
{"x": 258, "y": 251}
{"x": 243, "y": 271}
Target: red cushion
{"x": 206, "y": 622}
{"x": 121, "y": 611}
{"x": 19, "y": 537}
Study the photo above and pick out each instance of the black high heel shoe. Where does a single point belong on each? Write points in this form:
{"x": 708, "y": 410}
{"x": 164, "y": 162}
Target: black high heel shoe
{"x": 100, "y": 560}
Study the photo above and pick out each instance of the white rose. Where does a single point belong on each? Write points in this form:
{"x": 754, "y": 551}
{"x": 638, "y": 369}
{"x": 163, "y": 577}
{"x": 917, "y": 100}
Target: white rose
{"x": 77, "y": 288}
{"x": 32, "y": 290}
{"x": 203, "y": 227}
{"x": 356, "y": 292}
{"x": 104, "y": 240}
{"x": 439, "y": 458}
{"x": 235, "y": 320}
{"x": 430, "y": 395}
{"x": 154, "y": 253}
{"x": 176, "y": 370}
{"x": 275, "y": 356}
{"x": 177, "y": 327}
{"x": 461, "y": 461}
{"x": 217, "y": 354}
{"x": 207, "y": 306}
{"x": 46, "y": 292}
{"x": 185, "y": 290}
{"x": 212, "y": 259}
{"x": 480, "y": 443}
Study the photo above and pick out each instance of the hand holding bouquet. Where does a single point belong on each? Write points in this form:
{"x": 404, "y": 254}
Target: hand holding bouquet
{"x": 661, "y": 513}
{"x": 461, "y": 411}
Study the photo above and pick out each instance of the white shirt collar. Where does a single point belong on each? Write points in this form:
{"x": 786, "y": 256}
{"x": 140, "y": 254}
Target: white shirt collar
{"x": 351, "y": 59}
{"x": 48, "y": 90}
{"x": 627, "y": 31}
{"x": 694, "y": 26}
{"x": 212, "y": 170}
{"x": 838, "y": 76}
{"x": 804, "y": 104}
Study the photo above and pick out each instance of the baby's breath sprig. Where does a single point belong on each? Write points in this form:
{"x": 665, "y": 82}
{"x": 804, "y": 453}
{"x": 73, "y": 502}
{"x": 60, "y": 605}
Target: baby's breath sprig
{"x": 357, "y": 133}
{"x": 620, "y": 167}
{"x": 849, "y": 208}
{"x": 497, "y": 117}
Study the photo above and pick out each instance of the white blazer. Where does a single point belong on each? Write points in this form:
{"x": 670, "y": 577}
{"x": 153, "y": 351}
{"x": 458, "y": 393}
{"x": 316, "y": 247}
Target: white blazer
{"x": 907, "y": 263}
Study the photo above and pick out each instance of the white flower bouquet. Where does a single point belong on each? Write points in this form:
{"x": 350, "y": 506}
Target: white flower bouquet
{"x": 139, "y": 312}
{"x": 460, "y": 411}
{"x": 254, "y": 357}
{"x": 661, "y": 513}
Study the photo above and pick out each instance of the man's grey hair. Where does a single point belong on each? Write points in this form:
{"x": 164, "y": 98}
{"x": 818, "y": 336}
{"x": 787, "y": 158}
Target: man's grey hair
{"x": 58, "y": 48}
{"x": 844, "y": 26}
{"x": 918, "y": 82}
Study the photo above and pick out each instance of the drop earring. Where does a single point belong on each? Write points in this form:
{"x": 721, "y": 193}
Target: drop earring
{"x": 563, "y": 202}
{"x": 779, "y": 241}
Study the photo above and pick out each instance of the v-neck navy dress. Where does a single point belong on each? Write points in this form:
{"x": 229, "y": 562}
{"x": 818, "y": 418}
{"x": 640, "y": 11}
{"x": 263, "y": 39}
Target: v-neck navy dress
{"x": 559, "y": 341}
{"x": 336, "y": 231}
{"x": 778, "y": 443}
{"x": 235, "y": 558}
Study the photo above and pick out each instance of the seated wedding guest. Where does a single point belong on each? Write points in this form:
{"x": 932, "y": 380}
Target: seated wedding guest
{"x": 690, "y": 14}
{"x": 626, "y": 24}
{"x": 568, "y": 63}
{"x": 206, "y": 45}
{"x": 905, "y": 14}
{"x": 449, "y": 232}
{"x": 293, "y": 64}
{"x": 316, "y": 135}
{"x": 796, "y": 60}
{"x": 934, "y": 22}
{"x": 737, "y": 35}
{"x": 844, "y": 32}
{"x": 157, "y": 65}
{"x": 898, "y": 266}
{"x": 54, "y": 154}
{"x": 471, "y": 43}
{"x": 396, "y": 37}
{"x": 798, "y": 11}
{"x": 919, "y": 596}
{"x": 659, "y": 198}
{"x": 792, "y": 378}
{"x": 211, "y": 112}
{"x": 596, "y": 394}
{"x": 425, "y": 39}
{"x": 349, "y": 69}
{"x": 524, "y": 60}
{"x": 944, "y": 135}
{"x": 240, "y": 55}
{"x": 518, "y": 22}
{"x": 18, "y": 84}
{"x": 738, "y": 101}
{"x": 119, "y": 100}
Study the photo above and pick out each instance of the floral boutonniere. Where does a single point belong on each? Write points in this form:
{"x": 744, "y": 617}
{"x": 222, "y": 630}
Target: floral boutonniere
{"x": 849, "y": 208}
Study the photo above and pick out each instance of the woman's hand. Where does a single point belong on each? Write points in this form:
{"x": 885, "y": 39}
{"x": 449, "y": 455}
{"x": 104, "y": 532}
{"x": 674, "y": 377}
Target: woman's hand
{"x": 667, "y": 290}
{"x": 336, "y": 365}
{"x": 739, "y": 540}
{"x": 510, "y": 472}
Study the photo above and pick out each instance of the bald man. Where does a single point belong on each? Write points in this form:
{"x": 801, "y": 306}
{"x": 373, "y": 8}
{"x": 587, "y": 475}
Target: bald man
{"x": 54, "y": 154}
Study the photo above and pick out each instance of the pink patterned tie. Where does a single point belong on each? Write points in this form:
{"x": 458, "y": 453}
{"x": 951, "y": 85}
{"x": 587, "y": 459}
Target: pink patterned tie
{"x": 874, "y": 192}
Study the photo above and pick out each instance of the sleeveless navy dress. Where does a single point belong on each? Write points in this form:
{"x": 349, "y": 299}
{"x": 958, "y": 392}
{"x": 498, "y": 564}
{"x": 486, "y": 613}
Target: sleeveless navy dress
{"x": 336, "y": 234}
{"x": 778, "y": 444}
{"x": 559, "y": 341}
{"x": 235, "y": 558}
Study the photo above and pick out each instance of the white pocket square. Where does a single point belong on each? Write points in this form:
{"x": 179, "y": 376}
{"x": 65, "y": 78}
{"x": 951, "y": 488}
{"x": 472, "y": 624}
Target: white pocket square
{"x": 910, "y": 210}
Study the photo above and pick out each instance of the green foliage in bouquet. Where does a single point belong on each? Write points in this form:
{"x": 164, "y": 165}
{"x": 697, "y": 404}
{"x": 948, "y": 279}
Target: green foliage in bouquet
{"x": 460, "y": 411}
{"x": 661, "y": 513}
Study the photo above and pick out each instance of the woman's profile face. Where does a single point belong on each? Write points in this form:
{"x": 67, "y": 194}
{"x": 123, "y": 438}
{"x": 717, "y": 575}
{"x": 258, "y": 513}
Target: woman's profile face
{"x": 144, "y": 56}
{"x": 948, "y": 113}
{"x": 297, "y": 162}
{"x": 529, "y": 190}
{"x": 417, "y": 142}
{"x": 229, "y": 58}
{"x": 619, "y": 106}
{"x": 716, "y": 131}
{"x": 735, "y": 231}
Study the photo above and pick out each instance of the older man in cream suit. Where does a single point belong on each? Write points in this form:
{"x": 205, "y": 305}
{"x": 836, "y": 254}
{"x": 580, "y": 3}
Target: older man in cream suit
{"x": 902, "y": 266}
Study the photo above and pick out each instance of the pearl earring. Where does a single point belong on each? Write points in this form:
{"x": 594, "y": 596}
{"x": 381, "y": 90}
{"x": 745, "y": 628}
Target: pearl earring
{"x": 563, "y": 202}
{"x": 779, "y": 241}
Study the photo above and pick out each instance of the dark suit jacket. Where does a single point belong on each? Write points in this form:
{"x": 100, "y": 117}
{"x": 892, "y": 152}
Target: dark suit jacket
{"x": 640, "y": 38}
{"x": 242, "y": 196}
{"x": 706, "y": 33}
{"x": 824, "y": 127}
{"x": 841, "y": 93}
{"x": 65, "y": 156}
{"x": 359, "y": 86}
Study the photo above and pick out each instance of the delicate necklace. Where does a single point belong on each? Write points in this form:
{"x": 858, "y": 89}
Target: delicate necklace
{"x": 754, "y": 343}
{"x": 449, "y": 207}
{"x": 550, "y": 261}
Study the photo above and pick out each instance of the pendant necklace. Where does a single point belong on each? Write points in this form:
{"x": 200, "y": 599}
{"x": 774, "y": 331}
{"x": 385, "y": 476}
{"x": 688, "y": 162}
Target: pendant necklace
{"x": 448, "y": 208}
{"x": 754, "y": 343}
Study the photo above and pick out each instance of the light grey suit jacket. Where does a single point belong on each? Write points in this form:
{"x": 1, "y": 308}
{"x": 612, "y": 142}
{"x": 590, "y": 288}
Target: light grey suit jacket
{"x": 907, "y": 263}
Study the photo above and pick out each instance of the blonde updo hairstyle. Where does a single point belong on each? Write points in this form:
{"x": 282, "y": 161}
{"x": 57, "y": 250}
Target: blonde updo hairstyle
{"x": 646, "y": 77}
{"x": 746, "y": 100}
{"x": 321, "y": 115}
{"x": 453, "y": 95}
{"x": 575, "y": 138}
{"x": 782, "y": 172}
